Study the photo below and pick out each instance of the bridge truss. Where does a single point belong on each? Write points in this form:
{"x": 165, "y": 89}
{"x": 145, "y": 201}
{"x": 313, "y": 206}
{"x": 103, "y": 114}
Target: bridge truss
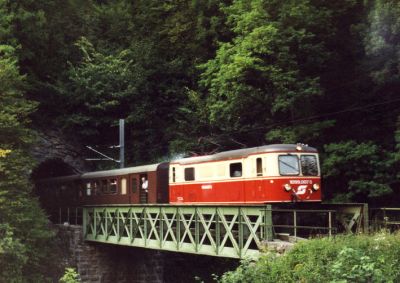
{"x": 225, "y": 231}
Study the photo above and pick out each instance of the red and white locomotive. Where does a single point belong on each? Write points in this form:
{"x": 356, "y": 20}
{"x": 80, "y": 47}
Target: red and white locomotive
{"x": 266, "y": 174}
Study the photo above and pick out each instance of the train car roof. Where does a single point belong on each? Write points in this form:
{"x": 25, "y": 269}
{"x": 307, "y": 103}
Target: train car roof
{"x": 123, "y": 171}
{"x": 241, "y": 153}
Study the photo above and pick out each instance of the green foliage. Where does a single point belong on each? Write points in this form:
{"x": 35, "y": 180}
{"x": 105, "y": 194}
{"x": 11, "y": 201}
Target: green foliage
{"x": 267, "y": 75}
{"x": 12, "y": 255}
{"x": 192, "y": 121}
{"x": 45, "y": 31}
{"x": 70, "y": 276}
{"x": 23, "y": 230}
{"x": 382, "y": 40}
{"x": 360, "y": 258}
{"x": 102, "y": 89}
{"x": 14, "y": 107}
{"x": 358, "y": 171}
{"x": 352, "y": 266}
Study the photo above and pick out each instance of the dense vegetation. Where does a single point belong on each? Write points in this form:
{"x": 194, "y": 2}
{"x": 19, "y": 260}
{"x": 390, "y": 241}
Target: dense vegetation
{"x": 24, "y": 234}
{"x": 197, "y": 77}
{"x": 342, "y": 259}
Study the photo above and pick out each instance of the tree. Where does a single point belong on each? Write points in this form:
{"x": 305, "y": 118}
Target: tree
{"x": 382, "y": 42}
{"x": 24, "y": 229}
{"x": 265, "y": 83}
{"x": 358, "y": 171}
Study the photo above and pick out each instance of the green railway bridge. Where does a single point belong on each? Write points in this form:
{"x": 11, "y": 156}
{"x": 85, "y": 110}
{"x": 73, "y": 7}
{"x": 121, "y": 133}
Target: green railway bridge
{"x": 222, "y": 231}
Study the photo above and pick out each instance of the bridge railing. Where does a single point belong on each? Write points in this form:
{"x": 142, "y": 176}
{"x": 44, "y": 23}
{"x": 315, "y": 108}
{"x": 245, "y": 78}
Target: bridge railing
{"x": 305, "y": 222}
{"x": 385, "y": 218}
{"x": 227, "y": 231}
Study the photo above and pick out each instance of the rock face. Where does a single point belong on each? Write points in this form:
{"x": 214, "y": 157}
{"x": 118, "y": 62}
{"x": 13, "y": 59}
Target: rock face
{"x": 54, "y": 150}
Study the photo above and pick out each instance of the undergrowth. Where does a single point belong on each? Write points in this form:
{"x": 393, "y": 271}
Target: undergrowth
{"x": 353, "y": 258}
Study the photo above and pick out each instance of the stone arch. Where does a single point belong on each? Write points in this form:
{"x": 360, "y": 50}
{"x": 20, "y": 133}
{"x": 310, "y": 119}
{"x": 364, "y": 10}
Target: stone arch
{"x": 53, "y": 168}
{"x": 57, "y": 155}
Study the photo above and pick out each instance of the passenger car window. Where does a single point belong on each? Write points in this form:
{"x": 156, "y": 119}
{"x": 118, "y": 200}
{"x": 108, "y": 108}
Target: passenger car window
{"x": 113, "y": 186}
{"x": 88, "y": 189}
{"x": 104, "y": 186}
{"x": 123, "y": 186}
{"x": 96, "y": 188}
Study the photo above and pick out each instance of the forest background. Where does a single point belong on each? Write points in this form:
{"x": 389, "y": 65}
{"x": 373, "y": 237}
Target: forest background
{"x": 195, "y": 77}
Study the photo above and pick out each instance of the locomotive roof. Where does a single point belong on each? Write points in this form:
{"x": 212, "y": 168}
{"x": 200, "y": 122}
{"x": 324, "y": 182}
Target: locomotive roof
{"x": 123, "y": 171}
{"x": 240, "y": 153}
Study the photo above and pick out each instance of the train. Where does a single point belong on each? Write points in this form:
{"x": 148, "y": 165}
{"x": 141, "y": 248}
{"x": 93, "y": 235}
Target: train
{"x": 277, "y": 173}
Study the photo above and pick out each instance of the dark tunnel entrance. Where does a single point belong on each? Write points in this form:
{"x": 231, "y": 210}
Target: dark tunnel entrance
{"x": 53, "y": 168}
{"x": 58, "y": 195}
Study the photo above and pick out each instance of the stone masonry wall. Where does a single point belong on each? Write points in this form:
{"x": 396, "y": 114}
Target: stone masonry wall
{"x": 110, "y": 263}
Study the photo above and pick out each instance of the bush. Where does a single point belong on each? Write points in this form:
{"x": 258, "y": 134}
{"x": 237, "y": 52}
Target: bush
{"x": 360, "y": 258}
{"x": 70, "y": 276}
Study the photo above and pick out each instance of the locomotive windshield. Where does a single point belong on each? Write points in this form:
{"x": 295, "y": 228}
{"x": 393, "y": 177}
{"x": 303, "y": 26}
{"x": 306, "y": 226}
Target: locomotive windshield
{"x": 309, "y": 166}
{"x": 288, "y": 165}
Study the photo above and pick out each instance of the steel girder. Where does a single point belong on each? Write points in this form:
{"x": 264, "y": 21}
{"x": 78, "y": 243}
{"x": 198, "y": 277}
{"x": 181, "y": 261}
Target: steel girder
{"x": 225, "y": 231}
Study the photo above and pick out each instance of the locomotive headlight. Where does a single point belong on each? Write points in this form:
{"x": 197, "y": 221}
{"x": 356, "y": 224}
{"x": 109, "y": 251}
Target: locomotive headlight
{"x": 287, "y": 187}
{"x": 315, "y": 187}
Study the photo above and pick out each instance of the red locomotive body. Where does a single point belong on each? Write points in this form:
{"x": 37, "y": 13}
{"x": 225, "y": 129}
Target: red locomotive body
{"x": 266, "y": 174}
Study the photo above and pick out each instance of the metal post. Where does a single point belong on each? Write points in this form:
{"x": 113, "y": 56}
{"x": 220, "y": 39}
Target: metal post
{"x": 161, "y": 228}
{"x": 178, "y": 228}
{"x": 145, "y": 226}
{"x": 84, "y": 223}
{"x": 265, "y": 224}
{"x": 240, "y": 228}
{"x": 295, "y": 223}
{"x": 60, "y": 216}
{"x": 121, "y": 143}
{"x": 268, "y": 227}
{"x": 217, "y": 231}
{"x": 118, "y": 231}
{"x": 330, "y": 223}
{"x": 68, "y": 215}
{"x": 131, "y": 225}
{"x": 105, "y": 223}
{"x": 94, "y": 223}
{"x": 196, "y": 229}
{"x": 365, "y": 218}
